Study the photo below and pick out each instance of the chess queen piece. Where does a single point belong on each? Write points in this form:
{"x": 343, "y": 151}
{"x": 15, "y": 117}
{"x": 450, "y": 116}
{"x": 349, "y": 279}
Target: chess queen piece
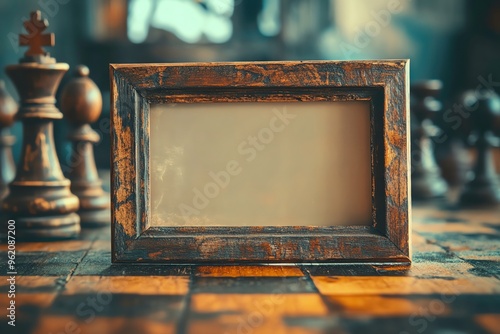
{"x": 426, "y": 179}
{"x": 39, "y": 200}
{"x": 484, "y": 188}
{"x": 81, "y": 104}
{"x": 8, "y": 109}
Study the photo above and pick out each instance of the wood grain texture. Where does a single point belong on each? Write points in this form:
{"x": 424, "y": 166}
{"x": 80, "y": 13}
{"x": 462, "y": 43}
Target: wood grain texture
{"x": 384, "y": 83}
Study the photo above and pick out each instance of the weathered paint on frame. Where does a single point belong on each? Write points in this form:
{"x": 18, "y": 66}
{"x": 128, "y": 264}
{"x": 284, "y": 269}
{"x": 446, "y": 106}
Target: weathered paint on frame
{"x": 384, "y": 83}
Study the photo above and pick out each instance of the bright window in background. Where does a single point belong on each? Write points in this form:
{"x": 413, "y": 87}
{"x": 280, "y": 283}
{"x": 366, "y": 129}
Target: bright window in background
{"x": 268, "y": 21}
{"x": 190, "y": 20}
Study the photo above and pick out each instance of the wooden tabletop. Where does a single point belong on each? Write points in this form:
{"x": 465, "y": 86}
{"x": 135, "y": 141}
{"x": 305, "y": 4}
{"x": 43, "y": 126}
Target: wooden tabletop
{"x": 452, "y": 286}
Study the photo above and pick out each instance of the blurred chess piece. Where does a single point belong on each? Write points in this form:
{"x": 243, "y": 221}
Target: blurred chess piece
{"x": 454, "y": 161}
{"x": 81, "y": 103}
{"x": 484, "y": 125}
{"x": 39, "y": 200}
{"x": 8, "y": 109}
{"x": 426, "y": 181}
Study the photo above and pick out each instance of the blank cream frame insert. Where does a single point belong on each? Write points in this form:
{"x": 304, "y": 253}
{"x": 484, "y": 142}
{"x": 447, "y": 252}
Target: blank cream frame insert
{"x": 260, "y": 164}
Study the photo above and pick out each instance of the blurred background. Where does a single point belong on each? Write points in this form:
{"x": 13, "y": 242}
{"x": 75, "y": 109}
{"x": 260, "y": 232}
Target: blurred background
{"x": 455, "y": 41}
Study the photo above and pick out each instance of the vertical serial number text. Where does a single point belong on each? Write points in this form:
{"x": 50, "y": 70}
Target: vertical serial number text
{"x": 11, "y": 272}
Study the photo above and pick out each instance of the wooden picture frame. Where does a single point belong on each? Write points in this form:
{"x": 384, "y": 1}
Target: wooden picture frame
{"x": 385, "y": 84}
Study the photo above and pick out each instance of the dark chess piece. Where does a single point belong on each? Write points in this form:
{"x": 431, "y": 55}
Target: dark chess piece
{"x": 484, "y": 188}
{"x": 426, "y": 181}
{"x": 40, "y": 200}
{"x": 454, "y": 161}
{"x": 8, "y": 109}
{"x": 81, "y": 103}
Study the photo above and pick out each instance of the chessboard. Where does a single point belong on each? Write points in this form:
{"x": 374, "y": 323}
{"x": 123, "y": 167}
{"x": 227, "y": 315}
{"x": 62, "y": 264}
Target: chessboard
{"x": 452, "y": 286}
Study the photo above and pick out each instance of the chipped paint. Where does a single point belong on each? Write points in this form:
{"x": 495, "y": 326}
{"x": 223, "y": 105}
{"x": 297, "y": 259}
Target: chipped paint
{"x": 385, "y": 81}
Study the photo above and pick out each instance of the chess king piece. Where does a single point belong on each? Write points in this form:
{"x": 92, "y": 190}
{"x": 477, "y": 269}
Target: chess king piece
{"x": 81, "y": 103}
{"x": 426, "y": 181}
{"x": 39, "y": 200}
{"x": 484, "y": 188}
{"x": 8, "y": 109}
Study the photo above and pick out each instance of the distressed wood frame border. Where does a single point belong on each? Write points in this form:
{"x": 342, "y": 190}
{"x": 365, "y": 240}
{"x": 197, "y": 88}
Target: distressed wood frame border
{"x": 384, "y": 83}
